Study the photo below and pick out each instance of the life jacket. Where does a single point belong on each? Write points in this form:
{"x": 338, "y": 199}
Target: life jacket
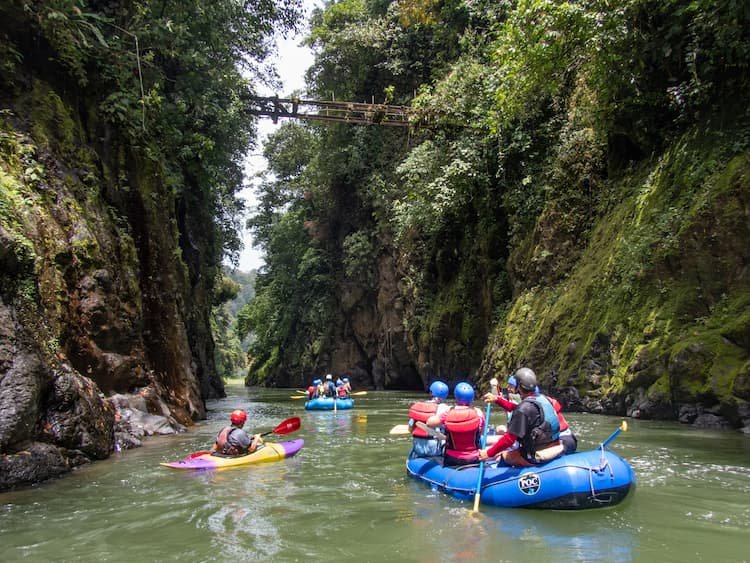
{"x": 462, "y": 425}
{"x": 311, "y": 391}
{"x": 544, "y": 434}
{"x": 222, "y": 442}
{"x": 560, "y": 417}
{"x": 420, "y": 412}
{"x": 341, "y": 391}
{"x": 330, "y": 389}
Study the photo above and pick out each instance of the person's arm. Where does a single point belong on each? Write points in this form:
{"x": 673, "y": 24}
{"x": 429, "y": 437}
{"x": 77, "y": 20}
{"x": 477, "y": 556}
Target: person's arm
{"x": 506, "y": 404}
{"x": 503, "y": 443}
{"x": 256, "y": 441}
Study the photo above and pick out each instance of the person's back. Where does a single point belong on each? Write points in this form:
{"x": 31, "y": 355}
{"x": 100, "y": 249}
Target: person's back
{"x": 233, "y": 440}
{"x": 535, "y": 425}
{"x": 463, "y": 425}
{"x": 423, "y": 444}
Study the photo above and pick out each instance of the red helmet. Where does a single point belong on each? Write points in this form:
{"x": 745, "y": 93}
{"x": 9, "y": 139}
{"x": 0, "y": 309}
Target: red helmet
{"x": 238, "y": 417}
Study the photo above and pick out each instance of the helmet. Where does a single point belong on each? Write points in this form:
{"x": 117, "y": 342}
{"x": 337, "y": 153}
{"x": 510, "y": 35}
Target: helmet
{"x": 345, "y": 380}
{"x": 329, "y": 377}
{"x": 464, "y": 393}
{"x": 317, "y": 382}
{"x": 339, "y": 382}
{"x": 526, "y": 379}
{"x": 439, "y": 390}
{"x": 512, "y": 381}
{"x": 238, "y": 417}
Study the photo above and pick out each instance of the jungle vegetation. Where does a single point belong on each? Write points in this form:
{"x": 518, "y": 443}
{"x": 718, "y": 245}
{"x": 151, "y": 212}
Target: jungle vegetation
{"x": 574, "y": 197}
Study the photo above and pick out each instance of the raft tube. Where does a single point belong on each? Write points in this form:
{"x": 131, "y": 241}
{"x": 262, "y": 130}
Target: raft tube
{"x": 269, "y": 452}
{"x": 326, "y": 404}
{"x": 590, "y": 479}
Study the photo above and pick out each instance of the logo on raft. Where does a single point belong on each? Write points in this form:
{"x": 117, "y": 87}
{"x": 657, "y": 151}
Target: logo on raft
{"x": 529, "y": 483}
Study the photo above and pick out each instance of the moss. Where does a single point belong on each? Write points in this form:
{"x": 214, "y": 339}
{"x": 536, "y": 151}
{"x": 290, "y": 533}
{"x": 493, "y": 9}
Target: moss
{"x": 52, "y": 126}
{"x": 660, "y": 275}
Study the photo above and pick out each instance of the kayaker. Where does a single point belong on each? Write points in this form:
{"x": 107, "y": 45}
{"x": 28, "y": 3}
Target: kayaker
{"x": 509, "y": 404}
{"x": 424, "y": 445}
{"x": 534, "y": 424}
{"x": 463, "y": 424}
{"x": 233, "y": 440}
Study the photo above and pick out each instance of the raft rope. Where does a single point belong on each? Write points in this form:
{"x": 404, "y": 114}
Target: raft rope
{"x": 591, "y": 470}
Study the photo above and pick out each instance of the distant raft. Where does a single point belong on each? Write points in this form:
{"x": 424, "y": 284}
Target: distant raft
{"x": 269, "y": 452}
{"x": 590, "y": 479}
{"x": 326, "y": 404}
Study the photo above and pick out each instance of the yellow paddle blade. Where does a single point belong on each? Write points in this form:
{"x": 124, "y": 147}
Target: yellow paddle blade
{"x": 400, "y": 429}
{"x": 297, "y": 397}
{"x": 624, "y": 426}
{"x": 358, "y": 394}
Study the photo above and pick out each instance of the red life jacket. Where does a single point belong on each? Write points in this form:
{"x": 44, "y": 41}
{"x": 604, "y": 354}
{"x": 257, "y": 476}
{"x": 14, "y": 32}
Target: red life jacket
{"x": 462, "y": 425}
{"x": 222, "y": 444}
{"x": 420, "y": 412}
{"x": 311, "y": 391}
{"x": 558, "y": 410}
{"x": 341, "y": 392}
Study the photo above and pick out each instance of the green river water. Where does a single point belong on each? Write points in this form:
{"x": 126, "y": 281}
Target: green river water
{"x": 346, "y": 497}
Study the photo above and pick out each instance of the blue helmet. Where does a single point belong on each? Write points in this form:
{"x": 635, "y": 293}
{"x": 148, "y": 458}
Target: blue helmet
{"x": 439, "y": 390}
{"x": 464, "y": 393}
{"x": 317, "y": 382}
{"x": 339, "y": 383}
{"x": 345, "y": 380}
{"x": 512, "y": 381}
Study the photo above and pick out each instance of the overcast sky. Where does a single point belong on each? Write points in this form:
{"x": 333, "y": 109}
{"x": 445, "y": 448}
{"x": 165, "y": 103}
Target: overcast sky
{"x": 292, "y": 62}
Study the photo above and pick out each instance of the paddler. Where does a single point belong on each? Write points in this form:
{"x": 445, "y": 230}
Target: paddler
{"x": 233, "y": 440}
{"x": 424, "y": 445}
{"x": 463, "y": 424}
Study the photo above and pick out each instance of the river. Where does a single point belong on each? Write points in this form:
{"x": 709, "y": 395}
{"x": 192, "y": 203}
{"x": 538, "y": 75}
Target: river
{"x": 346, "y": 497}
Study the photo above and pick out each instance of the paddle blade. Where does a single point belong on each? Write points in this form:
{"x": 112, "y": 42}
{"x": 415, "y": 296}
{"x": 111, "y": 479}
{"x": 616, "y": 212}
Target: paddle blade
{"x": 358, "y": 394}
{"x": 400, "y": 429}
{"x": 287, "y": 426}
{"x": 297, "y": 397}
{"x": 196, "y": 454}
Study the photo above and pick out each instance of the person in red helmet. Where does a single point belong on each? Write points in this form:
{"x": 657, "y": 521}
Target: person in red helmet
{"x": 233, "y": 440}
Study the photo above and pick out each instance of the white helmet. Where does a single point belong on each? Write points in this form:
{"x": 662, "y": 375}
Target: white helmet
{"x": 329, "y": 376}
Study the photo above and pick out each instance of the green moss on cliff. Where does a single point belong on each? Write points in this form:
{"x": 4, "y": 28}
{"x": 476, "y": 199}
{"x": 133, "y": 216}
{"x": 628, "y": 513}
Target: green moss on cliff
{"x": 659, "y": 290}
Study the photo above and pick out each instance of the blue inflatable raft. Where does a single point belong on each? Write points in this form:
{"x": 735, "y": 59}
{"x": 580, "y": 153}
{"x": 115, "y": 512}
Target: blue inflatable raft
{"x": 326, "y": 404}
{"x": 590, "y": 479}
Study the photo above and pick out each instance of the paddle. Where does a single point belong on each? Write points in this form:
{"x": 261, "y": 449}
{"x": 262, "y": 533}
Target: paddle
{"x": 623, "y": 428}
{"x": 478, "y": 489}
{"x": 298, "y": 391}
{"x": 297, "y": 397}
{"x": 400, "y": 429}
{"x": 434, "y": 432}
{"x": 285, "y": 427}
{"x": 358, "y": 394}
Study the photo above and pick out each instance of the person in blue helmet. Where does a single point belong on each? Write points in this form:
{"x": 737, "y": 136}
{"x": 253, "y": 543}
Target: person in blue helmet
{"x": 423, "y": 444}
{"x": 312, "y": 391}
{"x": 347, "y": 385}
{"x": 463, "y": 425}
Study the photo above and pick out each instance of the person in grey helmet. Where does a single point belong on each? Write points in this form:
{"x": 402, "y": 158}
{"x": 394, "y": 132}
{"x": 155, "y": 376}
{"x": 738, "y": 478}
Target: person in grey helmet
{"x": 534, "y": 424}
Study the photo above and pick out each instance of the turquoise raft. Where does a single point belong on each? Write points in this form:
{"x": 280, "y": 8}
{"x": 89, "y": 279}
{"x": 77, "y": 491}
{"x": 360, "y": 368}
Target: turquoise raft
{"x": 326, "y": 404}
{"x": 590, "y": 479}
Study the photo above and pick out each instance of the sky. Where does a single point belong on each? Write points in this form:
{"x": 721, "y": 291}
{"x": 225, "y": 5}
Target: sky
{"x": 292, "y": 61}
